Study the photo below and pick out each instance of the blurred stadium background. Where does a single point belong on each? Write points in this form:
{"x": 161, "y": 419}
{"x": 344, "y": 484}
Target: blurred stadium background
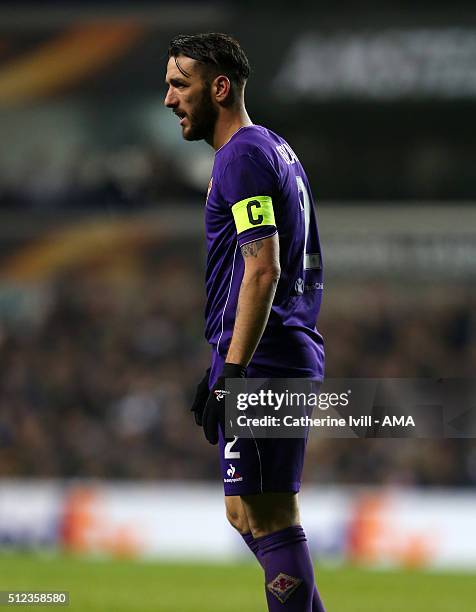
{"x": 101, "y": 281}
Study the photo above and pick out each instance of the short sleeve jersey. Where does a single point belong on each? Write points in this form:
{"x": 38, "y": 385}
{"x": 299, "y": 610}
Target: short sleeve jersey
{"x": 259, "y": 188}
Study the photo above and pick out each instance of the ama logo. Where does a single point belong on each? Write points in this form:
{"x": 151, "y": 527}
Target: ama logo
{"x": 232, "y": 474}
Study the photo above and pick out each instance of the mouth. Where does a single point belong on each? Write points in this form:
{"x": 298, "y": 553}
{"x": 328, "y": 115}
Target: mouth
{"x": 181, "y": 115}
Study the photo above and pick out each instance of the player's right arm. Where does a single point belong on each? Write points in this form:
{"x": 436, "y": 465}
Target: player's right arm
{"x": 260, "y": 278}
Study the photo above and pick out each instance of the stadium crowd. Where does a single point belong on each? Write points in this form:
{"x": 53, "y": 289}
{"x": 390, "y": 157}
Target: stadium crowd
{"x": 99, "y": 384}
{"x": 128, "y": 178}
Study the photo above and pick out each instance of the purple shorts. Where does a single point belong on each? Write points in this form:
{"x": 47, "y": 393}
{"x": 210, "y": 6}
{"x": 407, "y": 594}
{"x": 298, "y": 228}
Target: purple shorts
{"x": 259, "y": 465}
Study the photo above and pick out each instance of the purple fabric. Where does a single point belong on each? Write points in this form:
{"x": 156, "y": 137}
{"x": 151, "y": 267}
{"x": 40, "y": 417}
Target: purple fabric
{"x": 257, "y": 162}
{"x": 253, "y": 545}
{"x": 259, "y": 465}
{"x": 289, "y": 573}
{"x": 262, "y": 465}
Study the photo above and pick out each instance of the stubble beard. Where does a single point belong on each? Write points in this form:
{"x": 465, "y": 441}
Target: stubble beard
{"x": 202, "y": 119}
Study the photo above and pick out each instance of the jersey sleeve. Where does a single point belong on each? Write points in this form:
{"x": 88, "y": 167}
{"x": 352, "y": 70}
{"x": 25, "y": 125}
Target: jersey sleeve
{"x": 248, "y": 185}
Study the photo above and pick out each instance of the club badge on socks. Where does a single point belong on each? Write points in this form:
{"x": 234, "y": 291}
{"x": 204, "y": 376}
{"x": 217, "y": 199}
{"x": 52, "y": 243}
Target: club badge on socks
{"x": 283, "y": 586}
{"x": 289, "y": 573}
{"x": 253, "y": 545}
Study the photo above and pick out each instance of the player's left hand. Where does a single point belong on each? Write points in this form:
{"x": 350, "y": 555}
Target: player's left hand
{"x": 201, "y": 397}
{"x": 214, "y": 413}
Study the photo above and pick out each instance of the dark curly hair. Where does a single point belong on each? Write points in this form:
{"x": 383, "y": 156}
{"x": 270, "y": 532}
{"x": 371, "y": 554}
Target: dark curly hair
{"x": 218, "y": 53}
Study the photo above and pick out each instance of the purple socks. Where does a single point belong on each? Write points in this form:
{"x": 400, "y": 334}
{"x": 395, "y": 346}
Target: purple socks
{"x": 252, "y": 545}
{"x": 289, "y": 574}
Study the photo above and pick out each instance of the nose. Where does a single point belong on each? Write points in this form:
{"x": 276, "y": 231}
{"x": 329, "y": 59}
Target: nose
{"x": 170, "y": 100}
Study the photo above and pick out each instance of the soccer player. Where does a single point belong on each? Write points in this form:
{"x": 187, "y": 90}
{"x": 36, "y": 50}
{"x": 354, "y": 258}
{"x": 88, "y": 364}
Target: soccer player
{"x": 264, "y": 288}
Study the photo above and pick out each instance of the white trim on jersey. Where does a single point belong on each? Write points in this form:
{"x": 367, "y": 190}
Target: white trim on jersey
{"x": 259, "y": 459}
{"x": 259, "y": 238}
{"x": 227, "y": 298}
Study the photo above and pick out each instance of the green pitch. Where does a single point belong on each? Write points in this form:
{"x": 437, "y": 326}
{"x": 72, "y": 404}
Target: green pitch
{"x": 126, "y": 586}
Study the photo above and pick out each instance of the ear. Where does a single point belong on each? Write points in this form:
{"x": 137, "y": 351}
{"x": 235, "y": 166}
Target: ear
{"x": 222, "y": 89}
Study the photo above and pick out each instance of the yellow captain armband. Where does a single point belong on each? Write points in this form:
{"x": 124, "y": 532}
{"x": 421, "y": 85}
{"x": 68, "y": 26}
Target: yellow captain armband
{"x": 253, "y": 212}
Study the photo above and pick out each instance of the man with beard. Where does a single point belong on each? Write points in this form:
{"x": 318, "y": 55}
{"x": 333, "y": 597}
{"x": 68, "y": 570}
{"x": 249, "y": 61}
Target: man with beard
{"x": 264, "y": 289}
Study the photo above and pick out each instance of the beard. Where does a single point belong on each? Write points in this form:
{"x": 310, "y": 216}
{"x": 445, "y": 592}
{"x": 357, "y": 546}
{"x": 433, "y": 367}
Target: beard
{"x": 202, "y": 119}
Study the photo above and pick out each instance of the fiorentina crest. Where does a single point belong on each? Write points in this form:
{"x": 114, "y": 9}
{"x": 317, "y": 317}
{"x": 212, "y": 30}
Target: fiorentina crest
{"x": 283, "y": 586}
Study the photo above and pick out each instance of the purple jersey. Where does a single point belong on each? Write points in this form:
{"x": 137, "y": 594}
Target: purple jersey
{"x": 259, "y": 187}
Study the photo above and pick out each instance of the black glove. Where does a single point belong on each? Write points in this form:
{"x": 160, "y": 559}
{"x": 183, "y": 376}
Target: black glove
{"x": 214, "y": 413}
{"x": 201, "y": 397}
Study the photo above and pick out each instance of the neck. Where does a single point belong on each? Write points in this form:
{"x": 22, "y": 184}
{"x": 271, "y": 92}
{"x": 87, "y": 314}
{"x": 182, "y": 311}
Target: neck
{"x": 227, "y": 124}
